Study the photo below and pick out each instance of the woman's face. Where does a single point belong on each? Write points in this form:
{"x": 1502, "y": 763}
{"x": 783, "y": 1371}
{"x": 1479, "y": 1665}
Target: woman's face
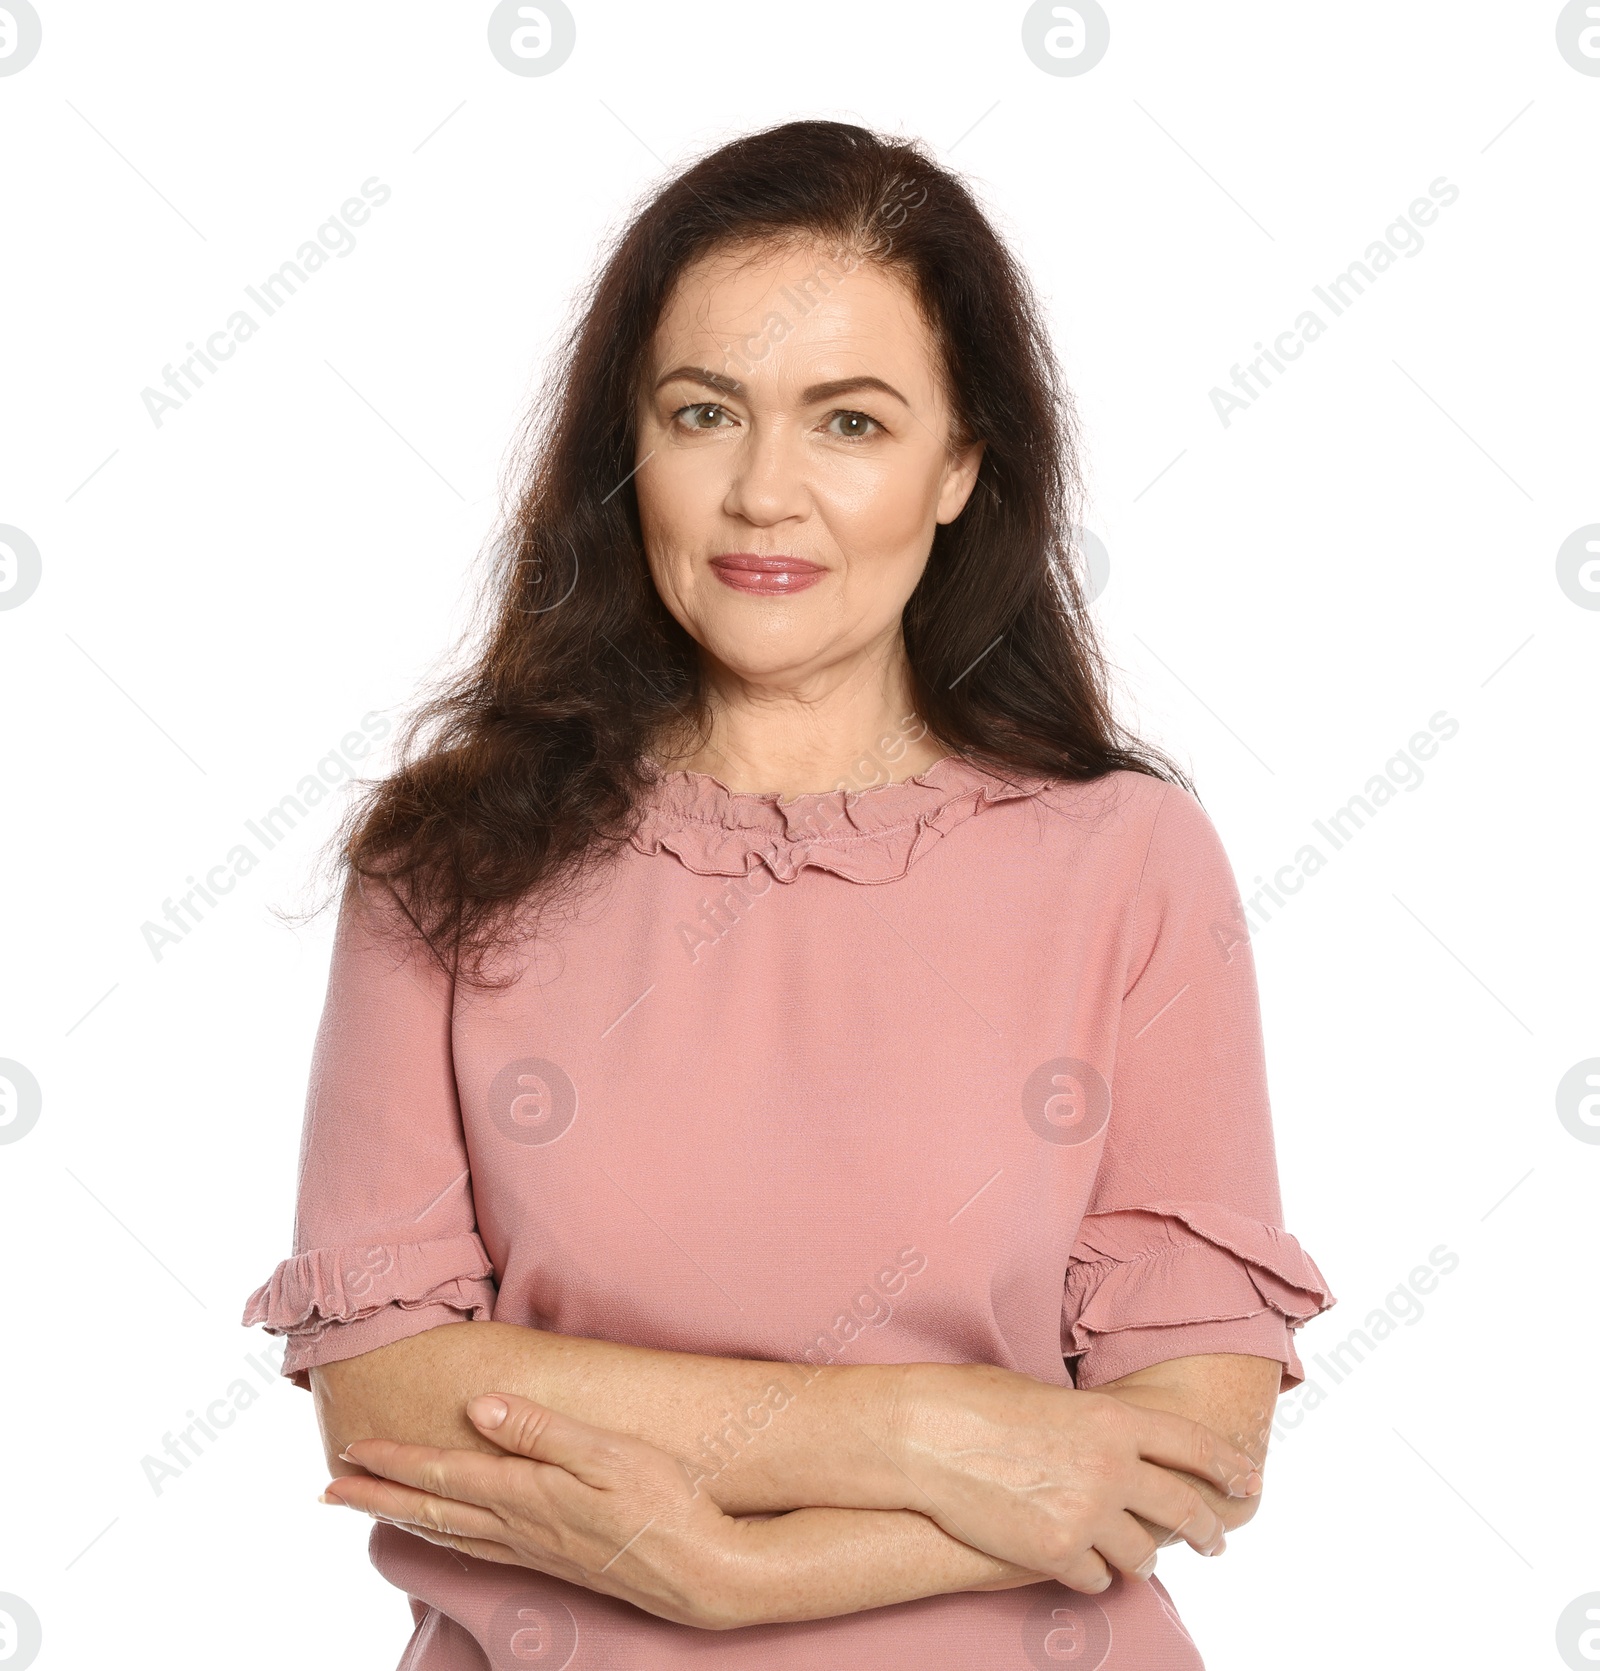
{"x": 793, "y": 460}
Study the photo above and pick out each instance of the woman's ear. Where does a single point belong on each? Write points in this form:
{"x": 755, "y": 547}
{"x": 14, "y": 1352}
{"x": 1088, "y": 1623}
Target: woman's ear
{"x": 960, "y": 477}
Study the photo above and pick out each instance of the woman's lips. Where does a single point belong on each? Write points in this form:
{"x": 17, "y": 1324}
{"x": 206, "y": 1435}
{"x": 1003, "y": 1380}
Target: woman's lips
{"x": 765, "y": 576}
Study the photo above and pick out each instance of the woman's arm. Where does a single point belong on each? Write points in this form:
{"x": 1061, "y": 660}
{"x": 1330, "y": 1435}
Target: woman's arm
{"x": 617, "y": 1515}
{"x": 761, "y": 1436}
{"x": 614, "y": 1514}
{"x": 878, "y": 1460}
{"x": 756, "y": 1436}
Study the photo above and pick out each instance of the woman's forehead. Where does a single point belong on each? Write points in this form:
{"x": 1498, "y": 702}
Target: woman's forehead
{"x": 792, "y": 311}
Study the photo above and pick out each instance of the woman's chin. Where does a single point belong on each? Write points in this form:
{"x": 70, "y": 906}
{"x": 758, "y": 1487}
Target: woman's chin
{"x": 781, "y": 654}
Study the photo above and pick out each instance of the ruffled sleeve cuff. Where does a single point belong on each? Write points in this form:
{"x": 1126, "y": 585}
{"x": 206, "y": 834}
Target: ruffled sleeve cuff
{"x": 337, "y": 1302}
{"x": 1178, "y": 1278}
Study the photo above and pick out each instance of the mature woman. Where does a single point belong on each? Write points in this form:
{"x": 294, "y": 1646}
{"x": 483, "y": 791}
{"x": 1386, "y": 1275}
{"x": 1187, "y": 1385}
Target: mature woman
{"x": 788, "y": 1144}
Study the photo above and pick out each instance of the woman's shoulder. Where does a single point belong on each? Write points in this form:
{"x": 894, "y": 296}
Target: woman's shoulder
{"x": 1130, "y": 821}
{"x": 1117, "y": 806}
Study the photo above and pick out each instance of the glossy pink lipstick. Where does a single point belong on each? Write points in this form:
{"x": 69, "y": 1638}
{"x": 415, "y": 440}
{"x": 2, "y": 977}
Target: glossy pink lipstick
{"x": 766, "y": 577}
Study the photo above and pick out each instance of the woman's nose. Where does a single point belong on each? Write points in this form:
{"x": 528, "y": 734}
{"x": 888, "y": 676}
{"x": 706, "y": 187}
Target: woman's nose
{"x": 768, "y": 480}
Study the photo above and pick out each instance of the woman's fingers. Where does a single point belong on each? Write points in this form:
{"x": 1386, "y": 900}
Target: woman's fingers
{"x": 423, "y": 1517}
{"x": 1177, "y": 1442}
{"x": 1160, "y": 1496}
{"x": 531, "y": 1431}
{"x": 416, "y": 1510}
{"x": 541, "y": 1434}
{"x": 1127, "y": 1546}
{"x": 1088, "y": 1574}
{"x": 463, "y": 1476}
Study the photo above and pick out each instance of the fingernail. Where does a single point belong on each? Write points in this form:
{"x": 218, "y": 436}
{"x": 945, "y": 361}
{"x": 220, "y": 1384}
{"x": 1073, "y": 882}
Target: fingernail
{"x": 487, "y": 1411}
{"x": 1249, "y": 1486}
{"x": 345, "y": 1456}
{"x": 337, "y": 1502}
{"x": 1148, "y": 1568}
{"x": 1218, "y": 1547}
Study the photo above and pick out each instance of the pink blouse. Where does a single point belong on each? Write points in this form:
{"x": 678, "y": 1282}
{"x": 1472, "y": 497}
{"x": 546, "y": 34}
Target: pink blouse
{"x": 957, "y": 1069}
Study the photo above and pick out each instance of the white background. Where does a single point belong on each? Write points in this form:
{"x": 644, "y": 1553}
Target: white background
{"x": 1374, "y": 541}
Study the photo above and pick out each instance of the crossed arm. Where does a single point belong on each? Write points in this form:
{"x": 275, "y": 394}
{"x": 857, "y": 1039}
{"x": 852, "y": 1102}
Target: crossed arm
{"x": 883, "y": 1483}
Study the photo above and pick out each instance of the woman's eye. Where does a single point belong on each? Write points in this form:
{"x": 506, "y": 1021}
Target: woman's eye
{"x": 857, "y": 426}
{"x": 687, "y": 415}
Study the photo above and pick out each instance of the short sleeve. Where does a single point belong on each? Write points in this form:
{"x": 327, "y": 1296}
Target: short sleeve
{"x": 1183, "y": 1250}
{"x": 386, "y": 1242}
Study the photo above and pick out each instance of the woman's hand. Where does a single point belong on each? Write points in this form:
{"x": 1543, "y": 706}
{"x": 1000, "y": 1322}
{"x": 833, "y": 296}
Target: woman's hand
{"x": 596, "y": 1508}
{"x": 1051, "y": 1479}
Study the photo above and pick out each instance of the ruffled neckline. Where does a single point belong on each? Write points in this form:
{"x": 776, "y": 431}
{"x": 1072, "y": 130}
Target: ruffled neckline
{"x": 863, "y": 835}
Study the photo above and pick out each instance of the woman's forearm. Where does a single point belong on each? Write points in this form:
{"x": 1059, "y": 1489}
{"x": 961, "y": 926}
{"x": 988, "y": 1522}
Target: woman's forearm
{"x": 818, "y": 1563}
{"x": 756, "y": 1436}
{"x": 1028, "y": 1478}
{"x": 823, "y": 1437}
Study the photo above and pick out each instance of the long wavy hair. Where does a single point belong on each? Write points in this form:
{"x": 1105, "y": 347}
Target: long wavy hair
{"x": 519, "y": 771}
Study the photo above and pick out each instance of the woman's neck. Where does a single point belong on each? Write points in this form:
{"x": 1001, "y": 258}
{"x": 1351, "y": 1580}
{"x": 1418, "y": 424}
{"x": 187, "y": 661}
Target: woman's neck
{"x": 793, "y": 742}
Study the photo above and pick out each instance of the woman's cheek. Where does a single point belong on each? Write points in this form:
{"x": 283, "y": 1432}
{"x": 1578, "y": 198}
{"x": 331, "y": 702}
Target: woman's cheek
{"x": 678, "y": 487}
{"x": 882, "y": 509}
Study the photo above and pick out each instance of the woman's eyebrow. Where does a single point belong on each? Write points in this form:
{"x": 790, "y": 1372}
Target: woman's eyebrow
{"x": 702, "y": 375}
{"x": 848, "y": 385}
{"x": 818, "y": 391}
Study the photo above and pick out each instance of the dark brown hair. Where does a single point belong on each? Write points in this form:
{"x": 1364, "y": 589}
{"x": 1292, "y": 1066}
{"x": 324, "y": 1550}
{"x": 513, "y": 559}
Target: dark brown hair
{"x": 528, "y": 765}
